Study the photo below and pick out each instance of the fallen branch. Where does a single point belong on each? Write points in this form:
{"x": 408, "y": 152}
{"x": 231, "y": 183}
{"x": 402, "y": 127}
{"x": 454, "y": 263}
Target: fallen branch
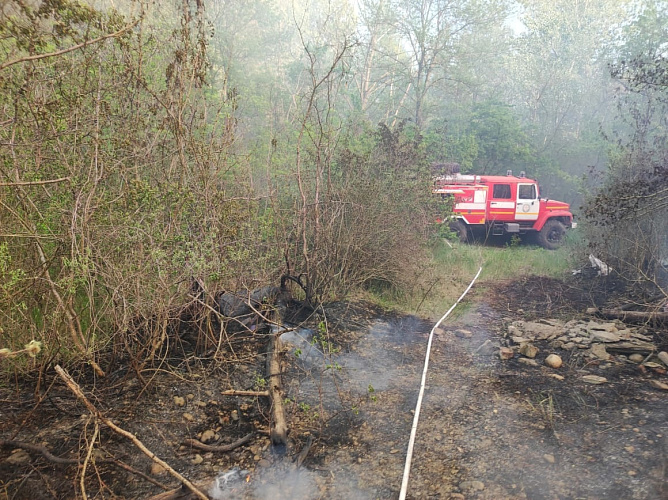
{"x": 74, "y": 387}
{"x": 279, "y": 427}
{"x": 75, "y": 461}
{"x": 655, "y": 317}
{"x": 39, "y": 449}
{"x": 180, "y": 493}
{"x": 302, "y": 454}
{"x": 219, "y": 449}
{"x": 233, "y": 392}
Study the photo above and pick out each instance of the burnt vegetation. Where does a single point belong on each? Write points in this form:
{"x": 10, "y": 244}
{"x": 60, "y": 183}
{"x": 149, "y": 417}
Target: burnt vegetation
{"x": 629, "y": 215}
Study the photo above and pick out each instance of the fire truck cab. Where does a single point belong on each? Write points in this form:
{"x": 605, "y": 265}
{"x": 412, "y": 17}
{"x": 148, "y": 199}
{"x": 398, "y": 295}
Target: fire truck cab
{"x": 497, "y": 205}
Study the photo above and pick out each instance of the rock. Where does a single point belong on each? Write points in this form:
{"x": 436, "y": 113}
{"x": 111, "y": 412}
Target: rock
{"x": 551, "y": 322}
{"x": 529, "y": 350}
{"x": 601, "y": 327}
{"x": 235, "y": 415}
{"x": 472, "y": 485}
{"x": 553, "y": 361}
{"x": 549, "y": 458}
{"x": 18, "y": 457}
{"x": 264, "y": 463}
{"x": 663, "y": 356}
{"x": 520, "y": 340}
{"x": 487, "y": 348}
{"x": 653, "y": 383}
{"x": 527, "y": 361}
{"x": 542, "y": 331}
{"x": 598, "y": 351}
{"x": 555, "y": 375}
{"x": 157, "y": 469}
{"x": 506, "y": 353}
{"x": 594, "y": 379}
{"x": 179, "y": 401}
{"x": 637, "y": 358}
{"x": 514, "y": 329}
{"x": 599, "y": 336}
{"x": 640, "y": 336}
{"x": 188, "y": 417}
{"x": 198, "y": 459}
{"x": 653, "y": 365}
{"x": 463, "y": 334}
{"x": 207, "y": 436}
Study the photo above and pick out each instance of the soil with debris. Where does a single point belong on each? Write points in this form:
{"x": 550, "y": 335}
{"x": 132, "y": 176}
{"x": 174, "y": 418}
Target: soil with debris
{"x": 496, "y": 423}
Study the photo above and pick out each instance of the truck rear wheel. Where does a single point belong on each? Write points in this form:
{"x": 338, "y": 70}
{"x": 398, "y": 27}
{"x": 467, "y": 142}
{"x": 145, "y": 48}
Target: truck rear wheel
{"x": 552, "y": 235}
{"x": 459, "y": 228}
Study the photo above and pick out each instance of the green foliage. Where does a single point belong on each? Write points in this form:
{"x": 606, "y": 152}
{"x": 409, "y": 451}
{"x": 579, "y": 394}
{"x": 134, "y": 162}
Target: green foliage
{"x": 136, "y": 201}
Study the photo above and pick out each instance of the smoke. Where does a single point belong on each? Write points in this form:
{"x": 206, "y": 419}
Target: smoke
{"x": 276, "y": 483}
{"x": 283, "y": 484}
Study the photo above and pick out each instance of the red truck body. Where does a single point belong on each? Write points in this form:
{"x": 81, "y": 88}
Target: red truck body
{"x": 501, "y": 205}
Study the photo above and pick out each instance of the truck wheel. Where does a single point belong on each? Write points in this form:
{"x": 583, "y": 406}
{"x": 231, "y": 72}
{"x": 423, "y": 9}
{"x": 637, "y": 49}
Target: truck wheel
{"x": 552, "y": 235}
{"x": 461, "y": 230}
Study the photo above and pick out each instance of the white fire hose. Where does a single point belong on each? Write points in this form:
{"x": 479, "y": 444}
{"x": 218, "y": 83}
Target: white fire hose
{"x": 416, "y": 417}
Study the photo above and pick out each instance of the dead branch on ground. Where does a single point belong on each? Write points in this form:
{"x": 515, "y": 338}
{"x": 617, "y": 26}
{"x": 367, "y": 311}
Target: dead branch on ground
{"x": 221, "y": 448}
{"x": 74, "y": 387}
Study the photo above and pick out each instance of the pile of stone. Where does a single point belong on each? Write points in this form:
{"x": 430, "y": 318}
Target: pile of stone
{"x": 595, "y": 339}
{"x": 602, "y": 341}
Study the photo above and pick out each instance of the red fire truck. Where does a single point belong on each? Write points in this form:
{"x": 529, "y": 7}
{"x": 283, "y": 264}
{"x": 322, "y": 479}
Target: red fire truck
{"x": 497, "y": 205}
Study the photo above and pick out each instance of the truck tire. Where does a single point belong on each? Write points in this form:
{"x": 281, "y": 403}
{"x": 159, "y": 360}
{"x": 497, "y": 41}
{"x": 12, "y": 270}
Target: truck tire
{"x": 552, "y": 235}
{"x": 460, "y": 229}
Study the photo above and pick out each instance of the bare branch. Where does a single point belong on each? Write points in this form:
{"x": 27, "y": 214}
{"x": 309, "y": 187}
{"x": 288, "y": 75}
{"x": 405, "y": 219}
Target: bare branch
{"x": 36, "y": 57}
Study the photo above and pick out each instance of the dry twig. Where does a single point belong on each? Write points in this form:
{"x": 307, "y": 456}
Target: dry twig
{"x": 74, "y": 387}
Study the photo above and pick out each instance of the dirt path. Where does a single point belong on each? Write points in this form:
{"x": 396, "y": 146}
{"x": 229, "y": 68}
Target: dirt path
{"x": 493, "y": 429}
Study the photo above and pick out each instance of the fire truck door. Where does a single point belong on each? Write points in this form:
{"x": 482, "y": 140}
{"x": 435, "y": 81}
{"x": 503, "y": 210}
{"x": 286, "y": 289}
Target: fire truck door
{"x": 528, "y": 204}
{"x": 502, "y": 203}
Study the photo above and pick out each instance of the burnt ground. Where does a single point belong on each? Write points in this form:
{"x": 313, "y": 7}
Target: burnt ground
{"x": 489, "y": 429}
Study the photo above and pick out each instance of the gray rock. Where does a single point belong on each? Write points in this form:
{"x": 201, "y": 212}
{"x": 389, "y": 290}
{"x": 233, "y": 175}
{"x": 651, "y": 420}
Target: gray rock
{"x": 542, "y": 331}
{"x": 528, "y": 361}
{"x": 636, "y": 358}
{"x": 487, "y": 348}
{"x": 604, "y": 336}
{"x": 598, "y": 351}
{"x": 604, "y": 327}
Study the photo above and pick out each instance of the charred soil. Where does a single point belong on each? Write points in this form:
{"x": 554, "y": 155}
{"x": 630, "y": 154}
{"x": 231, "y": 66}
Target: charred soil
{"x": 489, "y": 428}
